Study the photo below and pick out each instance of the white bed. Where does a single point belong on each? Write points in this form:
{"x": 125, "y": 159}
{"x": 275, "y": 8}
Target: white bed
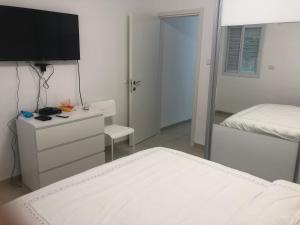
{"x": 162, "y": 187}
{"x": 262, "y": 140}
{"x": 282, "y": 121}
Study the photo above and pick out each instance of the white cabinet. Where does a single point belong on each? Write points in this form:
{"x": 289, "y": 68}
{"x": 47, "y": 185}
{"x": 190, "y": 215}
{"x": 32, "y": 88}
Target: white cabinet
{"x": 53, "y": 150}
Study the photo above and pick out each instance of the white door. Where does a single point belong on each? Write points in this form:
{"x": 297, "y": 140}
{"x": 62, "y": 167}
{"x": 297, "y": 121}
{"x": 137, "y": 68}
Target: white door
{"x": 144, "y": 90}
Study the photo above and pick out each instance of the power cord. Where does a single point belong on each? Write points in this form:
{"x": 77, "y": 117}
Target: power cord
{"x": 42, "y": 79}
{"x": 79, "y": 83}
{"x": 46, "y": 85}
{"x": 12, "y": 127}
{"x": 18, "y": 88}
{"x": 46, "y": 81}
{"x": 12, "y": 123}
{"x": 39, "y": 93}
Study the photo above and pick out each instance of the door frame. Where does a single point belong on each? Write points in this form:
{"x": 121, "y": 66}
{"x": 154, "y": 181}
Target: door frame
{"x": 183, "y": 13}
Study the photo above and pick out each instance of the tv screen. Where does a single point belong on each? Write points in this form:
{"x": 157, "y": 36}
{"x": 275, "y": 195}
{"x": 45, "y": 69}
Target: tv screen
{"x": 35, "y": 35}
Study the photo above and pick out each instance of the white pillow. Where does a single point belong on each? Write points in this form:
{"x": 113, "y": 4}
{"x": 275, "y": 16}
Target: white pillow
{"x": 279, "y": 204}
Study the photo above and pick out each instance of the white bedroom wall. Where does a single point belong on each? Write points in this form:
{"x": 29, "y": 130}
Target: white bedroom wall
{"x": 103, "y": 38}
{"x": 179, "y": 51}
{"x": 209, "y": 7}
{"x": 281, "y": 49}
{"x": 236, "y": 12}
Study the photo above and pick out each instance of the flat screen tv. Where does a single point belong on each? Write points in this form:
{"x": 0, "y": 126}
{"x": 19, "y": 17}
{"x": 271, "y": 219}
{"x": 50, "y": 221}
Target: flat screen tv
{"x": 35, "y": 35}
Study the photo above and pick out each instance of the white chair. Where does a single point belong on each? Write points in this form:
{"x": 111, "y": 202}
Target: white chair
{"x": 113, "y": 131}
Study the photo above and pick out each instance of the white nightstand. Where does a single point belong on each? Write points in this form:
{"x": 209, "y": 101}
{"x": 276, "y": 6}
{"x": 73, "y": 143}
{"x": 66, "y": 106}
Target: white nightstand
{"x": 53, "y": 150}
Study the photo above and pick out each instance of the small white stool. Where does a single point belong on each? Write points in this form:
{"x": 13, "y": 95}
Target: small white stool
{"x": 113, "y": 131}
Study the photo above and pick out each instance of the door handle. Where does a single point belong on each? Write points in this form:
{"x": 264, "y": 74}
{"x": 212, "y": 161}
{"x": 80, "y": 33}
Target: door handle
{"x": 137, "y": 83}
{"x": 134, "y": 84}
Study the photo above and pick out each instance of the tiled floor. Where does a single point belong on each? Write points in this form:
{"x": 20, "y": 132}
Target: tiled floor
{"x": 175, "y": 137}
{"x": 10, "y": 191}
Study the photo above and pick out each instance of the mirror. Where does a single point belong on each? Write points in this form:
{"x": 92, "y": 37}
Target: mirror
{"x": 257, "y": 105}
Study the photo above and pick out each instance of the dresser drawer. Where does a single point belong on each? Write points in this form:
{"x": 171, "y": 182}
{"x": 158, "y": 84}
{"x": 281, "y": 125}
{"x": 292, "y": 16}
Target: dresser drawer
{"x": 64, "y": 154}
{"x": 68, "y": 132}
{"x": 69, "y": 170}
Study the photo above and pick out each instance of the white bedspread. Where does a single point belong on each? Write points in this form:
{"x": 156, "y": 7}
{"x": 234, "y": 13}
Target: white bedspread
{"x": 161, "y": 187}
{"x": 281, "y": 121}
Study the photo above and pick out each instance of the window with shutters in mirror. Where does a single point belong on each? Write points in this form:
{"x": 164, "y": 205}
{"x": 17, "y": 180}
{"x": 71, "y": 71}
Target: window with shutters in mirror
{"x": 243, "y": 50}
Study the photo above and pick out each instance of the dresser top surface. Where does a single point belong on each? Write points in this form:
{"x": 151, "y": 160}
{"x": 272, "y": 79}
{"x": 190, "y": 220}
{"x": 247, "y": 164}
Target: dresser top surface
{"x": 73, "y": 116}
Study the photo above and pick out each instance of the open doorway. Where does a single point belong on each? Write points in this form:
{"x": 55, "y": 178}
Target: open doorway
{"x": 180, "y": 40}
{"x": 164, "y": 67}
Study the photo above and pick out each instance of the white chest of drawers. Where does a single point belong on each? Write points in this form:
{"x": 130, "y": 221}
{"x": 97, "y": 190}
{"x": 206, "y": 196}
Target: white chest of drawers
{"x": 53, "y": 150}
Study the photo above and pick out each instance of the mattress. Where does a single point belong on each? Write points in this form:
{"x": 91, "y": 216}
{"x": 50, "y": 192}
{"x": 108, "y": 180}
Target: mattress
{"x": 282, "y": 121}
{"x": 161, "y": 187}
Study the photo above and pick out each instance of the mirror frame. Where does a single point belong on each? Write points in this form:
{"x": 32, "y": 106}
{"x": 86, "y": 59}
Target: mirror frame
{"x": 216, "y": 48}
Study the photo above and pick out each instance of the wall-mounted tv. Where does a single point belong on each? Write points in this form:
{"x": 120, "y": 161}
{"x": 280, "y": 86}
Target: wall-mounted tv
{"x": 35, "y": 35}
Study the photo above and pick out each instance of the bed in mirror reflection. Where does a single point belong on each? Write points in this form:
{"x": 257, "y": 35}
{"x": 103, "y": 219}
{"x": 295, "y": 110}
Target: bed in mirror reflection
{"x": 257, "y": 118}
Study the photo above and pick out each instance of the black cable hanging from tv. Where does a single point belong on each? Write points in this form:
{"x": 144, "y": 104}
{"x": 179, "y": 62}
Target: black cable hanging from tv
{"x": 12, "y": 128}
{"x": 40, "y": 77}
{"x": 79, "y": 83}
